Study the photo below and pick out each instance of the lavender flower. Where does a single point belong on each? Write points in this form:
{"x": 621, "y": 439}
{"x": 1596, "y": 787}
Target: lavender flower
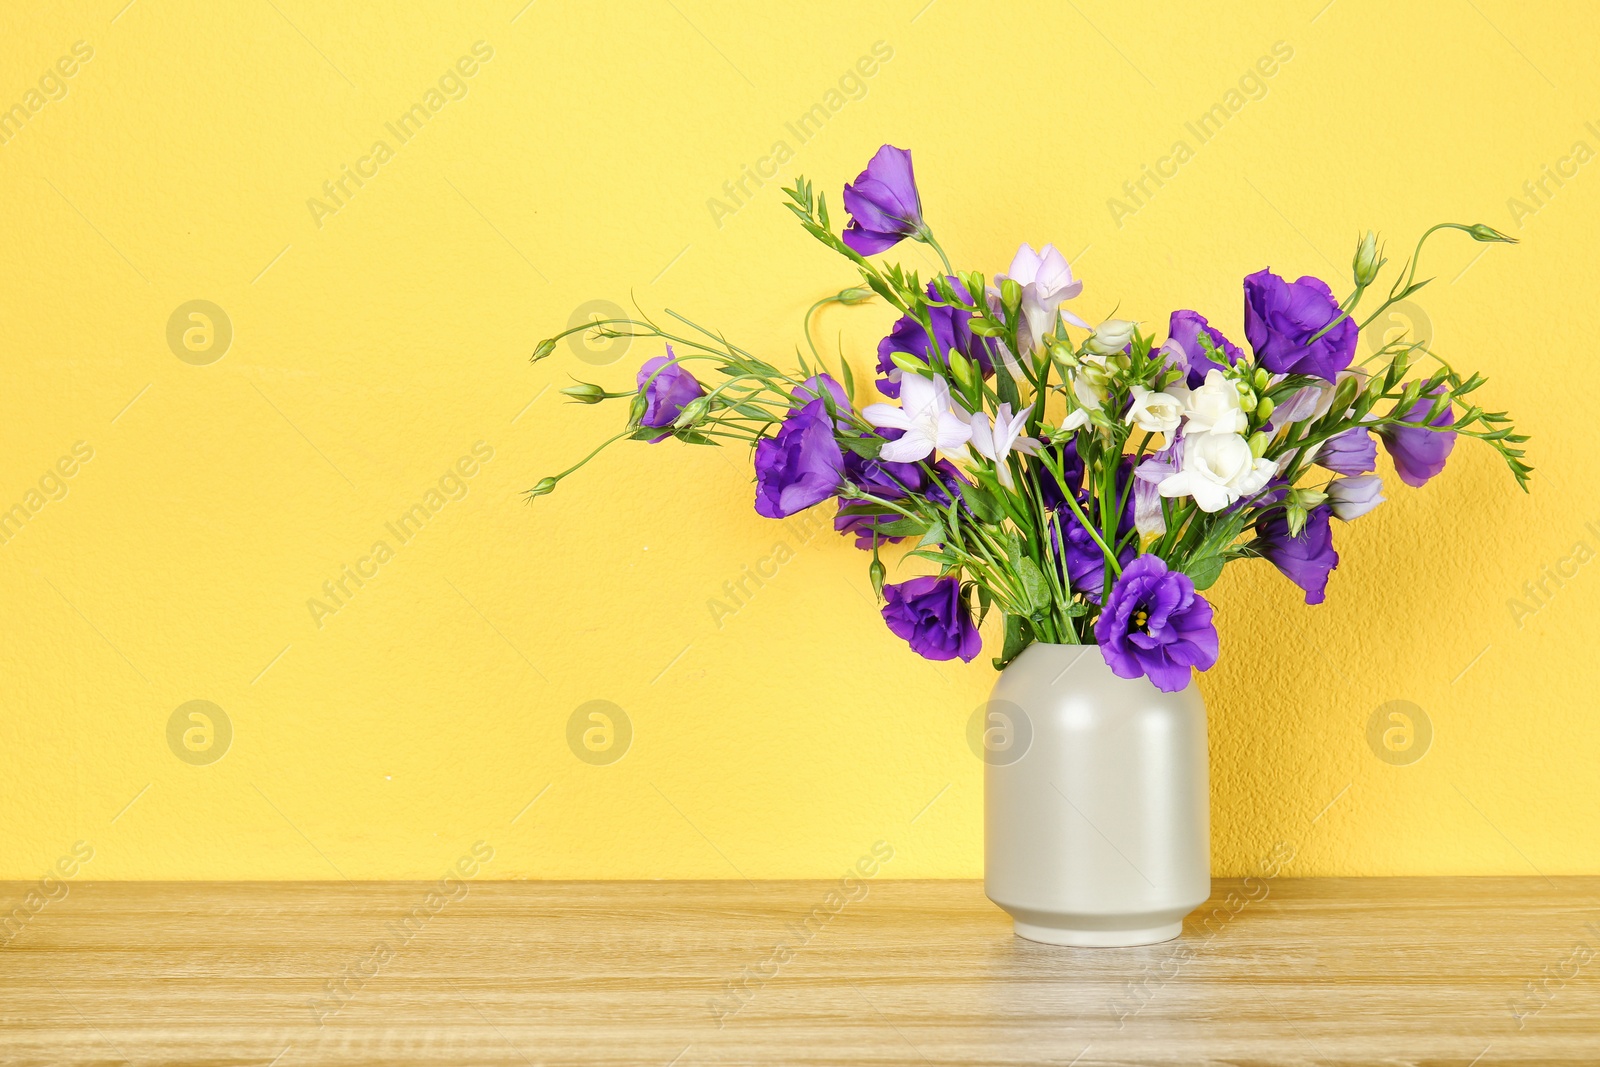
{"x": 1156, "y": 626}
{"x": 1419, "y": 454}
{"x": 1281, "y": 318}
{"x": 931, "y": 615}
{"x": 799, "y": 467}
{"x": 883, "y": 203}
{"x": 1306, "y": 560}
{"x": 668, "y": 389}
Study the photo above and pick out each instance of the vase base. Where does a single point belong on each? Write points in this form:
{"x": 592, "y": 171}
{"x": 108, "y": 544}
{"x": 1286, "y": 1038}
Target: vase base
{"x": 1079, "y": 938}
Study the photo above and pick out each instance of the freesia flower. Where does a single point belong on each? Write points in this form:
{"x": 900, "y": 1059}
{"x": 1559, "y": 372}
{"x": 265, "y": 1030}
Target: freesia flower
{"x": 998, "y": 440}
{"x": 1214, "y": 407}
{"x": 1154, "y": 412}
{"x": 1156, "y": 626}
{"x": 1110, "y": 337}
{"x": 1091, "y": 381}
{"x": 1351, "y": 452}
{"x": 930, "y": 419}
{"x": 931, "y": 615}
{"x": 1419, "y": 454}
{"x": 1147, "y": 479}
{"x": 883, "y": 203}
{"x": 1218, "y": 469}
{"x": 1281, "y": 318}
{"x": 1306, "y": 560}
{"x": 799, "y": 467}
{"x": 668, "y": 389}
{"x": 1184, "y": 351}
{"x": 1047, "y": 282}
{"x": 1351, "y": 498}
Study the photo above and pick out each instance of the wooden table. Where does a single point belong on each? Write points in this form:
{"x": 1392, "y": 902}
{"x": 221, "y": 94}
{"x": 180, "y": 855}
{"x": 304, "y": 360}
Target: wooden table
{"x": 1315, "y": 971}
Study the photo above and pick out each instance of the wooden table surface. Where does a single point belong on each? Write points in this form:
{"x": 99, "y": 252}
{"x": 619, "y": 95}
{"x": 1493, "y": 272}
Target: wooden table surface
{"x": 1442, "y": 971}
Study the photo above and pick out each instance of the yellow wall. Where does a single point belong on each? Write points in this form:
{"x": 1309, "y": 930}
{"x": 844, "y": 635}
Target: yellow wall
{"x": 376, "y": 346}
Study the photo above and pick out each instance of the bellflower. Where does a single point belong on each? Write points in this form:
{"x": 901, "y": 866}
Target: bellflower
{"x": 1281, "y": 318}
{"x": 799, "y": 467}
{"x": 883, "y": 203}
{"x": 1047, "y": 283}
{"x": 1184, "y": 351}
{"x": 891, "y": 481}
{"x": 928, "y": 416}
{"x": 1419, "y": 454}
{"x": 1306, "y": 560}
{"x": 1351, "y": 452}
{"x": 1351, "y": 498}
{"x": 668, "y": 389}
{"x": 1155, "y": 625}
{"x": 931, "y": 615}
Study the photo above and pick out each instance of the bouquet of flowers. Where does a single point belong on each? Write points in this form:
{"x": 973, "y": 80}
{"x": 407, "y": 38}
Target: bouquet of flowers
{"x": 1087, "y": 482}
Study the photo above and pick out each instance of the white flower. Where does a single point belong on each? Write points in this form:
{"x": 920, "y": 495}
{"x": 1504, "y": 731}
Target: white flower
{"x": 1003, "y": 438}
{"x": 1154, "y": 412}
{"x": 927, "y": 415}
{"x": 1076, "y": 419}
{"x": 1090, "y": 381}
{"x": 1213, "y": 407}
{"x": 1047, "y": 282}
{"x": 1218, "y": 469}
{"x": 1111, "y": 337}
{"x": 1351, "y": 498}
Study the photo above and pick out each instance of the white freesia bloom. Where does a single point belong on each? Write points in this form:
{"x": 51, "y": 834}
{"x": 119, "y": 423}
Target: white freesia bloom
{"x": 1076, "y": 419}
{"x": 1154, "y": 412}
{"x": 1111, "y": 337}
{"x": 930, "y": 419}
{"x": 1213, "y": 407}
{"x": 1047, "y": 282}
{"x": 1218, "y": 469}
{"x": 1003, "y": 437}
{"x": 1091, "y": 381}
{"x": 1351, "y": 498}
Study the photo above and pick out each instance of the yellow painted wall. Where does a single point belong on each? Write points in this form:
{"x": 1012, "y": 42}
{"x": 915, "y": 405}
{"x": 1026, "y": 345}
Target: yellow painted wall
{"x": 375, "y": 347}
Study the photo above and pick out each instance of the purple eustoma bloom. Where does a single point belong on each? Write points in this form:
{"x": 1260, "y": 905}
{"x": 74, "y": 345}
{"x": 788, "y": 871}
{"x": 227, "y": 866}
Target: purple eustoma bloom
{"x": 667, "y": 388}
{"x": 887, "y": 480}
{"x": 883, "y": 203}
{"x": 952, "y": 328}
{"x": 1306, "y": 560}
{"x": 1281, "y": 318}
{"x": 1351, "y": 452}
{"x": 1184, "y": 351}
{"x": 1419, "y": 454}
{"x": 799, "y": 467}
{"x": 1155, "y": 625}
{"x": 931, "y": 615}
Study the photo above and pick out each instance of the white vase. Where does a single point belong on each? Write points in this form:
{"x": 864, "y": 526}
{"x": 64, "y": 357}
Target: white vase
{"x": 1096, "y": 801}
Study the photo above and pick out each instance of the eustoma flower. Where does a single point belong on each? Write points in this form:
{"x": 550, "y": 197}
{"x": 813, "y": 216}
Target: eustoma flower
{"x": 1282, "y": 318}
{"x": 668, "y": 389}
{"x": 1351, "y": 452}
{"x": 1184, "y": 350}
{"x": 1307, "y": 559}
{"x": 931, "y": 615}
{"x": 1351, "y": 498}
{"x": 1155, "y": 625}
{"x": 997, "y": 441}
{"x": 1047, "y": 283}
{"x": 883, "y": 203}
{"x": 1419, "y": 454}
{"x": 952, "y": 330}
{"x": 799, "y": 467}
{"x": 927, "y": 415}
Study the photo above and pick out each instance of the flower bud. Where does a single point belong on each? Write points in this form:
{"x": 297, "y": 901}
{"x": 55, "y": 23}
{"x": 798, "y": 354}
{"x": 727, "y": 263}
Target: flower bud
{"x": 1366, "y": 264}
{"x": 854, "y": 296}
{"x": 637, "y": 408}
{"x": 1265, "y": 408}
{"x": 692, "y": 412}
{"x": 585, "y": 393}
{"x": 876, "y": 571}
{"x": 544, "y": 350}
{"x": 545, "y": 486}
{"x": 1261, "y": 379}
{"x": 909, "y": 363}
{"x": 961, "y": 369}
{"x": 1480, "y": 232}
{"x": 1247, "y": 401}
{"x": 1011, "y": 295}
{"x": 1344, "y": 394}
{"x": 1258, "y": 443}
{"x": 1111, "y": 337}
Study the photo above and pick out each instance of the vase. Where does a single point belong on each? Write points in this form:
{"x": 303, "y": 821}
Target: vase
{"x": 1096, "y": 801}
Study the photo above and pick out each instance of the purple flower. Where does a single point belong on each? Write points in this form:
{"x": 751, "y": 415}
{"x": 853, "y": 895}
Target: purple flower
{"x": 1351, "y": 498}
{"x": 1085, "y": 560}
{"x": 667, "y": 388}
{"x": 1156, "y": 626}
{"x": 883, "y": 203}
{"x": 890, "y": 481}
{"x": 1351, "y": 452}
{"x": 1306, "y": 560}
{"x": 931, "y": 615}
{"x": 952, "y": 328}
{"x": 1184, "y": 351}
{"x": 1280, "y": 320}
{"x": 1419, "y": 454}
{"x": 812, "y": 389}
{"x": 799, "y": 467}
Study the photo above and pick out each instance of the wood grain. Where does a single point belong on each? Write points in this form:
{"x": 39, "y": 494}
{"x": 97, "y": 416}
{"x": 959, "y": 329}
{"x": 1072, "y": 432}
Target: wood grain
{"x": 1313, "y": 971}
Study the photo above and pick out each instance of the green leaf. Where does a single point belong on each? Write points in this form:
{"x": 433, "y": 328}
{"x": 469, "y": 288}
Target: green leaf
{"x": 1033, "y": 584}
{"x": 901, "y": 528}
{"x": 865, "y": 447}
{"x": 982, "y": 503}
{"x": 1018, "y": 637}
{"x": 934, "y": 536}
{"x": 849, "y": 377}
{"x": 1204, "y": 570}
